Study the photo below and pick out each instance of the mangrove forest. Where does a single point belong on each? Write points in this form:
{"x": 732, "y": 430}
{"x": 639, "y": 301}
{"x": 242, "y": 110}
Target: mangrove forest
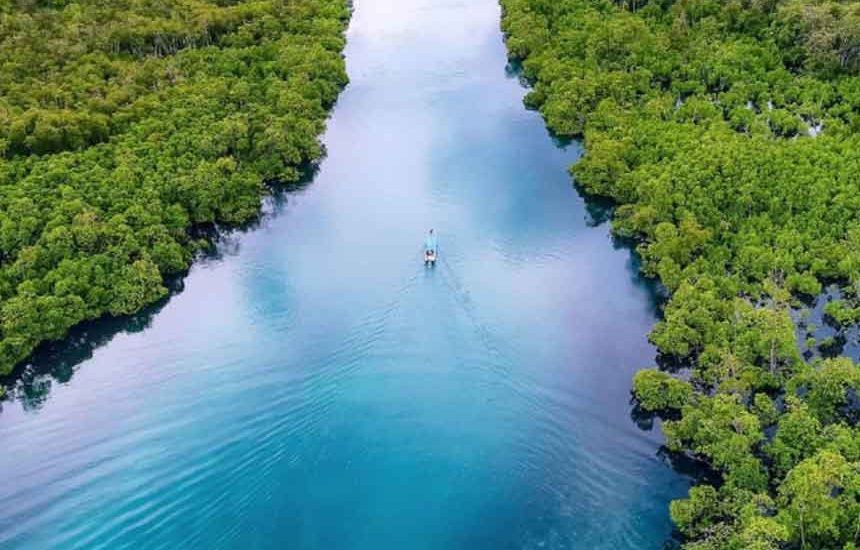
{"x": 124, "y": 124}
{"x": 728, "y": 135}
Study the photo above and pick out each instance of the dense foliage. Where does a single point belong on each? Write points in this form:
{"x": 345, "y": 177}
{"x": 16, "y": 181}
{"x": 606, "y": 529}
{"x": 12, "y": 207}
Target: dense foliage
{"x": 123, "y": 123}
{"x": 728, "y": 133}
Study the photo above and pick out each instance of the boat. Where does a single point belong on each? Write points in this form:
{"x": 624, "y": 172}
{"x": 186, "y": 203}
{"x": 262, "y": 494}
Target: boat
{"x": 430, "y": 249}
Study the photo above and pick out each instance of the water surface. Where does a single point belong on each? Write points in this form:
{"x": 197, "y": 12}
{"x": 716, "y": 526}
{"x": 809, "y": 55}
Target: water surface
{"x": 316, "y": 387}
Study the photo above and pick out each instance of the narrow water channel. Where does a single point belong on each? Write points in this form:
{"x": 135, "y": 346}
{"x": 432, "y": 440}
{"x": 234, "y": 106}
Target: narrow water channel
{"x": 316, "y": 387}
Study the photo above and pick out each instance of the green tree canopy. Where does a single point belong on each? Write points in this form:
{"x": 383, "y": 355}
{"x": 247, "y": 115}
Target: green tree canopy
{"x": 124, "y": 123}
{"x": 728, "y": 134}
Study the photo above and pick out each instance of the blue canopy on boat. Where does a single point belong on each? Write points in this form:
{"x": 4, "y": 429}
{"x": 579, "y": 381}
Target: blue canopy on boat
{"x": 430, "y": 243}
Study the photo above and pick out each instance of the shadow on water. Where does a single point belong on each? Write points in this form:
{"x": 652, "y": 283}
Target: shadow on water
{"x": 654, "y": 290}
{"x": 683, "y": 463}
{"x": 55, "y": 362}
{"x": 818, "y": 334}
{"x": 514, "y": 69}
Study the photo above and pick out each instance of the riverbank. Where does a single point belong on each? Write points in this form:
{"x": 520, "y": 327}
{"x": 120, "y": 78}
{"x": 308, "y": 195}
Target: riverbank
{"x": 192, "y": 112}
{"x": 735, "y": 178}
{"x": 54, "y": 362}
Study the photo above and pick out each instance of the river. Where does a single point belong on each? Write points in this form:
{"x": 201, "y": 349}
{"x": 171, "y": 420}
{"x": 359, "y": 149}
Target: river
{"x": 314, "y": 386}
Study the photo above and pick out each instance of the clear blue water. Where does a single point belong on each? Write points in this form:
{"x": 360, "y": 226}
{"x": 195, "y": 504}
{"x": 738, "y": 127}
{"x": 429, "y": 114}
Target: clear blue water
{"x": 316, "y": 387}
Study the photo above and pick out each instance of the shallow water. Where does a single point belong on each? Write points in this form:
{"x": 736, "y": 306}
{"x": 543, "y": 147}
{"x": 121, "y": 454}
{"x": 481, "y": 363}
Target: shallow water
{"x": 316, "y": 387}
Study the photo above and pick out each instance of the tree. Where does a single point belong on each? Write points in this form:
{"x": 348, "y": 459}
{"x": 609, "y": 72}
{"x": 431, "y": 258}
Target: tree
{"x": 810, "y": 499}
{"x": 658, "y": 391}
{"x": 799, "y": 435}
{"x": 124, "y": 123}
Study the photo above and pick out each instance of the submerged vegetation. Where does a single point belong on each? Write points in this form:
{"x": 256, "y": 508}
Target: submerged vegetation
{"x": 125, "y": 123}
{"x": 728, "y": 134}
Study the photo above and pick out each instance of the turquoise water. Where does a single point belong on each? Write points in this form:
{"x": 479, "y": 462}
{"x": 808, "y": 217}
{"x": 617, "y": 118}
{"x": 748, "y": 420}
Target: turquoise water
{"x": 316, "y": 387}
